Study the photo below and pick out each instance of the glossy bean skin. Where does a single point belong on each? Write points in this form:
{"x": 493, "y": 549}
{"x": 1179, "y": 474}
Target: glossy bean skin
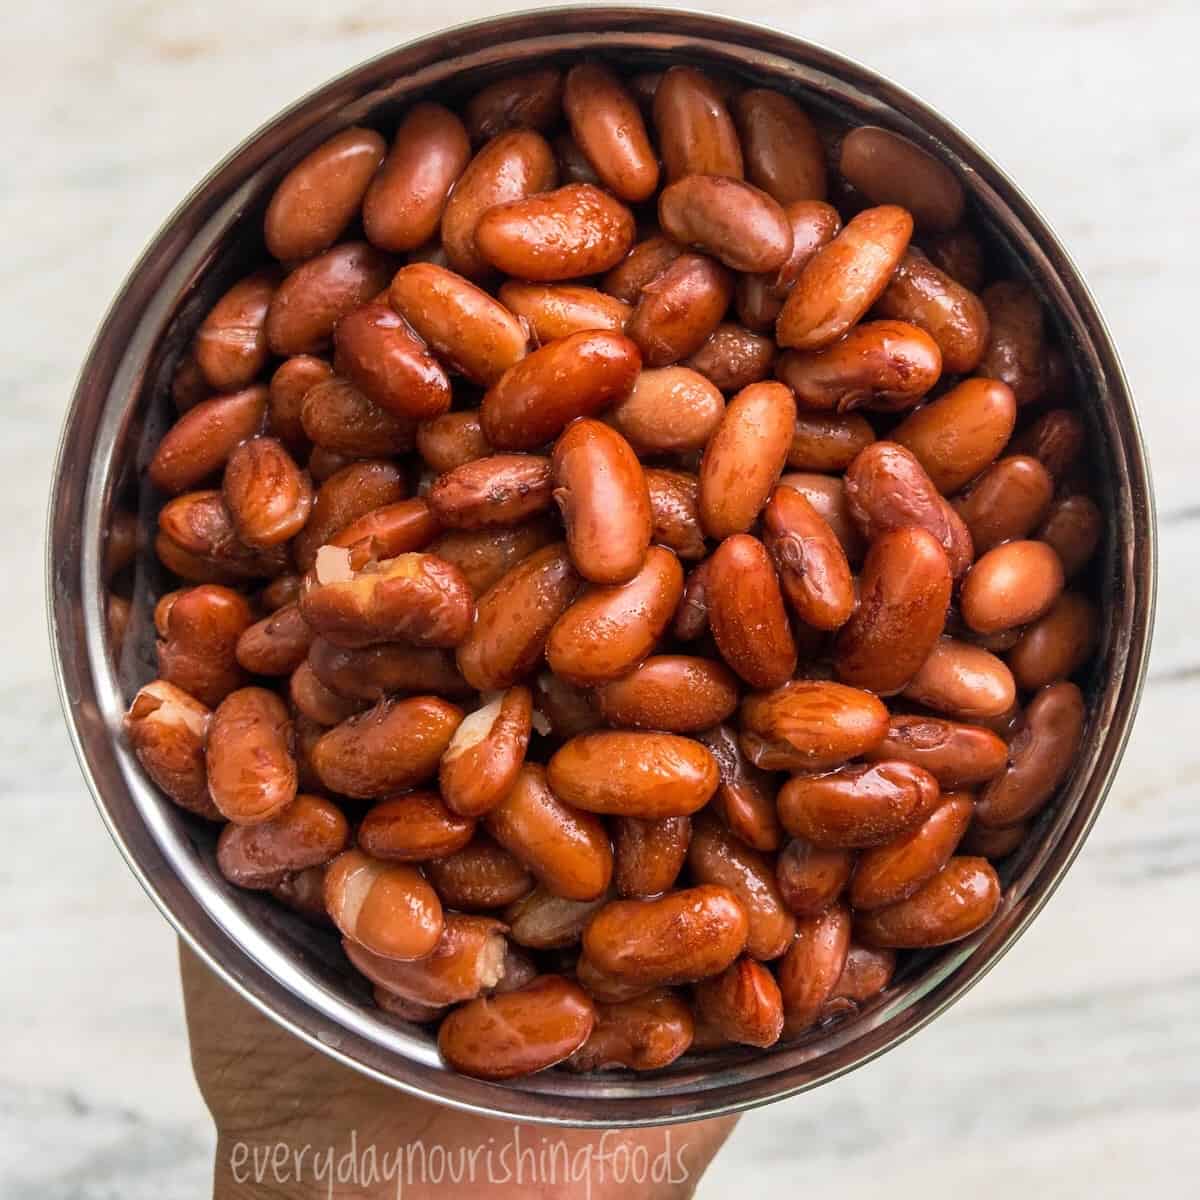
{"x": 1057, "y": 644}
{"x": 575, "y": 376}
{"x": 1056, "y": 439}
{"x": 904, "y": 592}
{"x": 387, "y": 908}
{"x": 733, "y": 357}
{"x": 886, "y": 366}
{"x": 481, "y": 876}
{"x": 1016, "y": 349}
{"x": 308, "y": 833}
{"x": 827, "y": 495}
{"x": 993, "y": 843}
{"x": 729, "y": 219}
{"x": 809, "y": 560}
{"x": 267, "y": 495}
{"x": 957, "y": 755}
{"x": 889, "y": 169}
{"x": 452, "y": 440}
{"x": 675, "y": 693}
{"x": 964, "y": 681}
{"x": 745, "y": 797}
{"x": 395, "y": 745}
{"x": 812, "y": 966}
{"x": 337, "y": 416}
{"x": 648, "y": 854}
{"x": 677, "y": 310}
{"x": 467, "y": 329}
{"x": 321, "y": 194}
{"x": 634, "y": 774}
{"x": 675, "y": 512}
{"x": 566, "y": 850}
{"x": 558, "y": 310}
{"x": 696, "y": 134}
{"x": 746, "y": 613}
{"x": 202, "y": 440}
{"x": 512, "y": 165}
{"x": 197, "y": 541}
{"x": 414, "y": 827}
{"x": 1010, "y": 586}
{"x": 514, "y": 618}
{"x": 289, "y": 385}
{"x": 783, "y": 151}
{"x": 811, "y": 878}
{"x": 371, "y": 672}
{"x": 743, "y": 1003}
{"x": 403, "y": 206}
{"x": 669, "y": 410}
{"x": 867, "y": 972}
{"x": 957, "y": 901}
{"x": 608, "y": 128}
{"x": 645, "y": 262}
{"x": 251, "y": 771}
{"x": 276, "y": 645}
{"x": 843, "y": 279}
{"x": 681, "y": 937}
{"x": 499, "y": 490}
{"x": 199, "y": 632}
{"x": 646, "y": 1033}
{"x": 959, "y": 253}
{"x": 1073, "y": 526}
{"x": 344, "y": 497}
{"x": 389, "y": 531}
{"x": 576, "y": 230}
{"x": 308, "y": 304}
{"x": 566, "y": 709}
{"x": 544, "y": 921}
{"x": 611, "y": 628}
{"x": 890, "y": 873}
{"x": 1041, "y": 756}
{"x": 810, "y": 725}
{"x": 317, "y": 703}
{"x": 166, "y": 728}
{"x": 691, "y": 614}
{"x": 230, "y": 347}
{"x": 959, "y": 434}
{"x": 520, "y": 1032}
{"x": 823, "y": 441}
{"x": 480, "y": 766}
{"x": 486, "y": 555}
{"x": 525, "y": 100}
{"x": 1006, "y": 502}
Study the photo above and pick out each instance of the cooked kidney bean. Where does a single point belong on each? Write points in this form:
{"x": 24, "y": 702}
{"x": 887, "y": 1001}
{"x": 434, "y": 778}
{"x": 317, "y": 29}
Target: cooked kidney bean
{"x": 733, "y": 357}
{"x": 543, "y": 921}
{"x": 827, "y": 441}
{"x": 1015, "y": 351}
{"x": 480, "y": 876}
{"x": 388, "y": 908}
{"x": 646, "y": 1033}
{"x": 866, "y": 973}
{"x": 696, "y": 134}
{"x": 199, "y": 632}
{"x": 608, "y": 128}
{"x": 1006, "y": 502}
{"x": 202, "y": 440}
{"x": 166, "y": 728}
{"x": 673, "y": 692}
{"x": 669, "y": 410}
{"x": 248, "y": 752}
{"x": 675, "y": 512}
{"x": 811, "y": 877}
{"x": 644, "y": 263}
{"x": 678, "y": 310}
{"x": 414, "y": 827}
{"x": 812, "y": 966}
{"x": 1057, "y": 644}
{"x": 308, "y": 833}
{"x": 955, "y": 754}
{"x": 648, "y": 854}
{"x": 1073, "y": 526}
{"x": 827, "y": 495}
{"x": 963, "y": 681}
{"x": 784, "y": 153}
{"x": 557, "y": 310}
{"x": 230, "y": 347}
{"x": 889, "y": 169}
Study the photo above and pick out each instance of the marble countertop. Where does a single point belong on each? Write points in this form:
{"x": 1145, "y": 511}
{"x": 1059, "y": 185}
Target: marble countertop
{"x": 1074, "y": 1071}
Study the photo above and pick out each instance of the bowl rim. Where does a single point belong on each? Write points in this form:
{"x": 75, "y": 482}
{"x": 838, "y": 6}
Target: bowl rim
{"x": 73, "y": 624}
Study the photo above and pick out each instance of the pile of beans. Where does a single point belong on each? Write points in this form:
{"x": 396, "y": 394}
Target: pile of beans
{"x": 628, "y": 559}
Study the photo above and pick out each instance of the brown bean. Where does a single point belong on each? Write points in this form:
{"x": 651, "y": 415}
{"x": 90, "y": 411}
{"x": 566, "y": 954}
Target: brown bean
{"x": 414, "y": 827}
{"x": 646, "y": 1033}
{"x": 889, "y": 169}
{"x": 166, "y": 728}
{"x": 201, "y": 441}
{"x": 743, "y": 1003}
{"x": 389, "y": 531}
{"x": 514, "y": 617}
{"x": 321, "y": 194}
{"x": 904, "y": 591}
{"x": 886, "y": 366}
{"x": 675, "y": 512}
{"x": 827, "y": 495}
{"x": 843, "y": 279}
{"x": 573, "y": 166}
{"x": 784, "y": 153}
{"x": 308, "y": 833}
{"x": 347, "y": 495}
{"x": 678, "y": 938}
{"x": 544, "y": 921}
{"x": 691, "y": 614}
{"x": 575, "y": 376}
{"x": 289, "y": 386}
{"x": 188, "y": 385}
{"x": 1011, "y": 585}
{"x": 809, "y": 560}
{"x": 993, "y": 843}
{"x": 1040, "y": 757}
{"x": 959, "y": 253}
{"x": 310, "y": 302}
{"x": 733, "y": 358}
{"x": 601, "y": 492}
{"x": 199, "y": 525}
{"x": 452, "y": 440}
{"x": 485, "y": 555}
{"x": 481, "y": 763}
{"x": 562, "y": 709}
{"x": 197, "y": 646}
{"x": 611, "y": 628}
{"x": 482, "y": 875}
{"x": 388, "y": 908}
{"x": 964, "y": 681}
{"x": 696, "y": 134}
{"x": 525, "y": 100}
{"x": 745, "y": 797}
{"x": 251, "y": 771}
{"x": 746, "y": 614}
{"x": 867, "y": 973}
{"x": 957, "y": 901}
{"x": 267, "y": 495}
{"x": 823, "y": 441}
{"x": 337, "y": 416}
{"x": 371, "y": 672}
{"x": 312, "y": 699}
{"x": 394, "y": 746}
{"x": 670, "y": 410}
{"x": 677, "y": 310}
{"x": 276, "y": 645}
{"x": 1006, "y": 502}
{"x": 644, "y": 263}
{"x": 557, "y": 310}
{"x": 517, "y": 1033}
{"x": 1057, "y": 644}
{"x": 230, "y": 347}
{"x": 403, "y": 206}
{"x": 812, "y": 967}
{"x": 729, "y": 219}
{"x": 567, "y": 850}
{"x": 811, "y": 878}
{"x": 462, "y": 324}
{"x": 513, "y": 165}
{"x": 1056, "y": 439}
{"x": 647, "y": 775}
{"x": 1073, "y": 526}
{"x": 502, "y": 489}
{"x": 1016, "y": 349}
{"x": 956, "y": 755}
{"x": 648, "y": 854}
{"x": 671, "y": 692}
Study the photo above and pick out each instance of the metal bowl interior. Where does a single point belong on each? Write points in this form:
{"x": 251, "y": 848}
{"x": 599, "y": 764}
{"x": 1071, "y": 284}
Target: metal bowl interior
{"x": 296, "y": 973}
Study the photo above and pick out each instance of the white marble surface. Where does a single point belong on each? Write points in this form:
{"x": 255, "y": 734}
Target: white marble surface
{"x": 1074, "y": 1071}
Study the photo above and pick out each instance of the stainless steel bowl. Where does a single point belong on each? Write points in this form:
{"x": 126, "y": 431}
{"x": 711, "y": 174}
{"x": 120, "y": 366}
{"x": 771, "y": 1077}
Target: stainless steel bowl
{"x": 296, "y": 974}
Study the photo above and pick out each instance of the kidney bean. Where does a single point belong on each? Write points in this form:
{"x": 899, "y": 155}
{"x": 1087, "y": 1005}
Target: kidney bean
{"x": 567, "y": 850}
{"x": 276, "y": 645}
{"x": 964, "y": 681}
{"x": 784, "y": 153}
{"x": 1056, "y": 439}
{"x": 166, "y": 728}
{"x": 648, "y": 854}
{"x": 810, "y": 878}
{"x": 959, "y": 253}
{"x": 199, "y": 526}
{"x": 993, "y": 843}
{"x": 575, "y": 376}
{"x": 188, "y": 385}
{"x": 644, "y": 263}
{"x": 514, "y": 617}
{"x": 558, "y": 310}
{"x": 394, "y": 746}
{"x": 501, "y": 489}
{"x": 388, "y": 531}
{"x": 481, "y": 763}
{"x": 867, "y": 973}
{"x": 544, "y": 921}
{"x": 671, "y": 692}
{"x": 670, "y": 410}
{"x": 1006, "y": 502}
{"x": 733, "y": 358}
{"x": 280, "y": 592}
{"x": 735, "y": 222}
{"x": 678, "y": 938}
{"x": 562, "y": 709}
{"x": 956, "y": 755}
{"x": 889, "y": 169}
{"x": 313, "y": 699}
{"x": 675, "y": 512}
{"x": 1073, "y": 527}
{"x": 338, "y": 417}
{"x": 825, "y": 441}
{"x": 812, "y": 967}
{"x": 1057, "y": 644}
{"x": 414, "y": 827}
{"x": 268, "y": 497}
{"x": 304, "y": 893}
{"x": 308, "y": 833}
{"x": 513, "y": 165}
{"x": 369, "y": 673}
{"x": 482, "y": 875}
{"x": 604, "y": 987}
{"x": 646, "y": 1033}
{"x": 743, "y": 1004}
{"x": 528, "y": 99}
{"x": 452, "y": 440}
{"x": 1016, "y": 349}
{"x": 197, "y": 647}
{"x": 201, "y": 441}
{"x": 348, "y": 494}
{"x": 461, "y": 323}
{"x": 251, "y": 771}
{"x": 611, "y": 628}
{"x": 230, "y": 347}
{"x": 745, "y": 796}
{"x": 485, "y": 555}
{"x": 1010, "y": 586}
{"x": 403, "y": 205}
{"x": 904, "y": 591}
{"x": 827, "y": 495}
{"x": 696, "y": 134}
{"x": 517, "y": 1033}
{"x": 691, "y": 614}
{"x": 678, "y": 309}
{"x": 843, "y": 279}
{"x": 289, "y": 385}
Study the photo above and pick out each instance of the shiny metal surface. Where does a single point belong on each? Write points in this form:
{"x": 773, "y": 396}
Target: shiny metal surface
{"x": 294, "y": 972}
